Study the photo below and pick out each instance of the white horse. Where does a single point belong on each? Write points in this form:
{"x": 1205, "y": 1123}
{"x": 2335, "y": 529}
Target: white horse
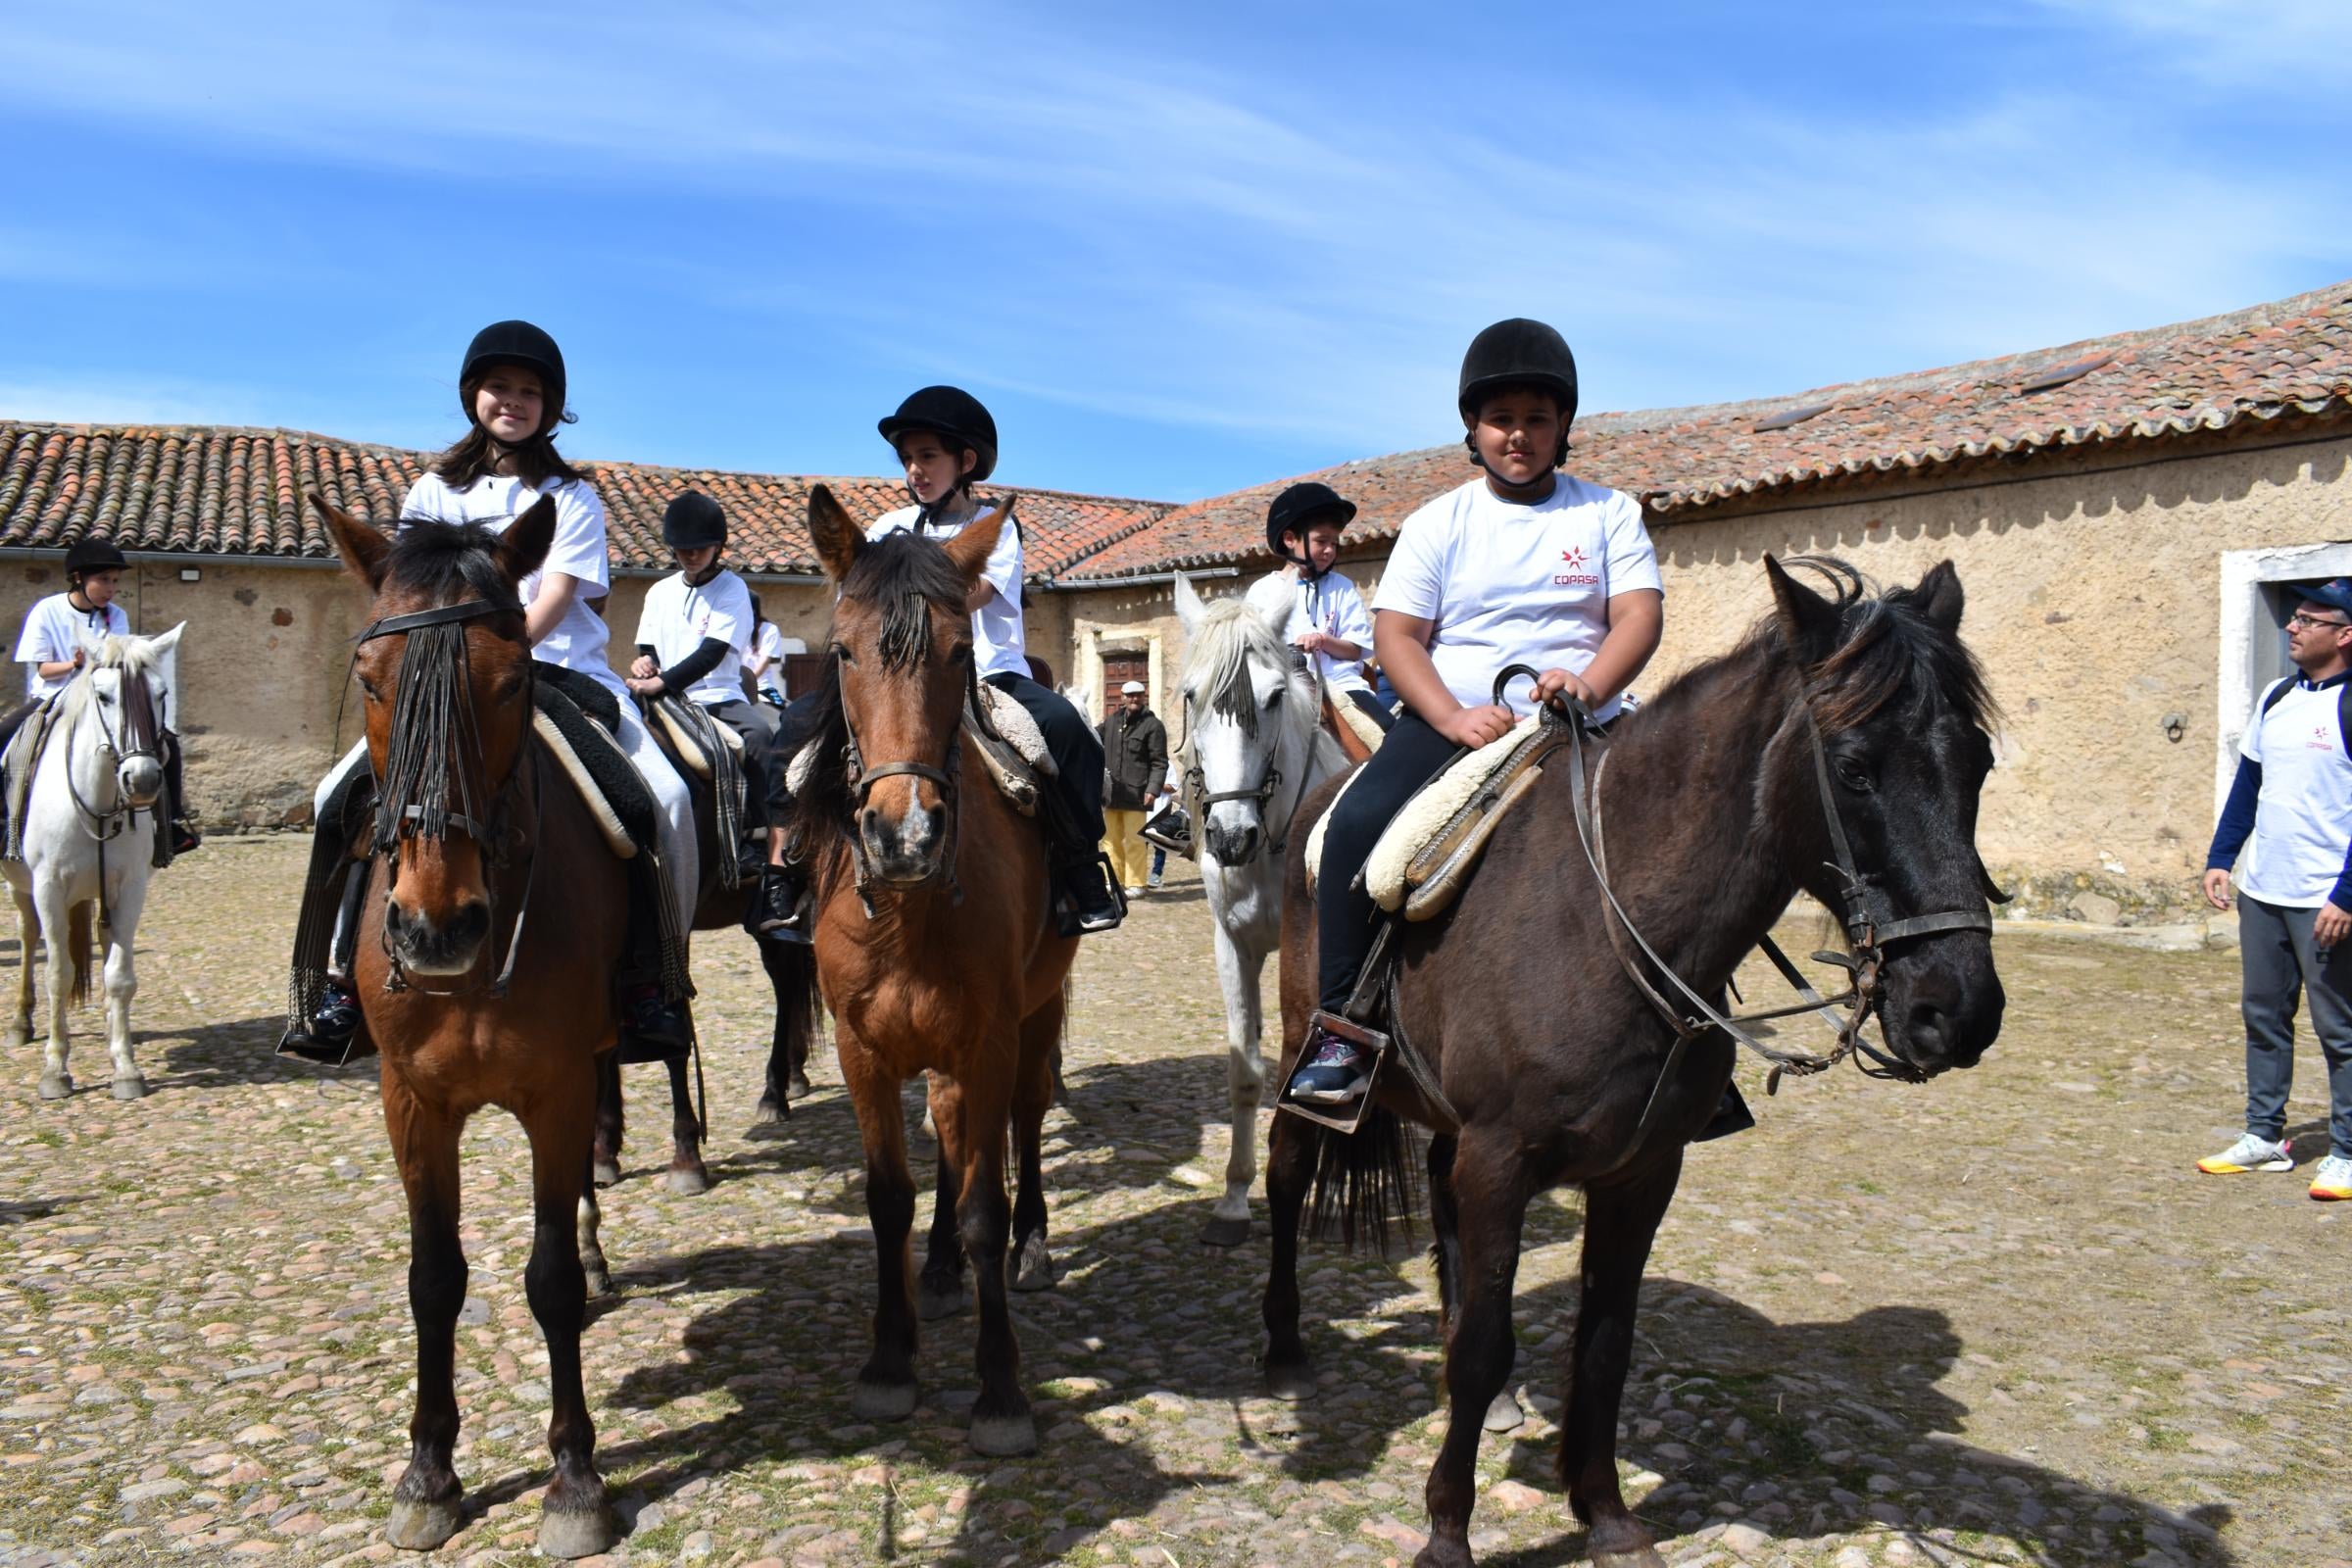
{"x": 89, "y": 838}
{"x": 1253, "y": 746}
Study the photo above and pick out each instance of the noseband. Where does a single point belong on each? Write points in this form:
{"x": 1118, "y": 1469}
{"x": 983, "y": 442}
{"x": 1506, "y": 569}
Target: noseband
{"x": 136, "y": 737}
{"x": 446, "y": 708}
{"x": 1196, "y": 791}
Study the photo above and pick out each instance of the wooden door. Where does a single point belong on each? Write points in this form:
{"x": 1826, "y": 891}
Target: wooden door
{"x": 1117, "y": 670}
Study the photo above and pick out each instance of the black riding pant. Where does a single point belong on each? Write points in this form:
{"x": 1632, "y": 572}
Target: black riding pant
{"x": 1076, "y": 750}
{"x": 1344, "y": 913}
{"x": 1372, "y": 707}
{"x": 765, "y": 800}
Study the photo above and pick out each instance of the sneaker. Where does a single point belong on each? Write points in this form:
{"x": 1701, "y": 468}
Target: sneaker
{"x": 2332, "y": 1182}
{"x": 185, "y": 840}
{"x": 1157, "y": 881}
{"x": 1335, "y": 1073}
{"x": 2250, "y": 1153}
{"x": 1134, "y": 892}
{"x": 1094, "y": 902}
{"x": 655, "y": 1021}
{"x": 327, "y": 1034}
{"x": 775, "y": 908}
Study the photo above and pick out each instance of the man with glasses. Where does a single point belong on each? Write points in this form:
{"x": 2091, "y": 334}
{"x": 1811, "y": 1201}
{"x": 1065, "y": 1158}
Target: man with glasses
{"x": 2290, "y": 812}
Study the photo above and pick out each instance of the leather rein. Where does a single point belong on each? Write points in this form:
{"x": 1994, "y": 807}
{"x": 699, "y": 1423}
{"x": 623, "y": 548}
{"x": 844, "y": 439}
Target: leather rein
{"x": 488, "y": 836}
{"x": 1867, "y": 936}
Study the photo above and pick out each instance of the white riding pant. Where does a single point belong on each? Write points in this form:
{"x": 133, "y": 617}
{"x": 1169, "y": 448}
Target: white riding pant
{"x": 674, "y": 807}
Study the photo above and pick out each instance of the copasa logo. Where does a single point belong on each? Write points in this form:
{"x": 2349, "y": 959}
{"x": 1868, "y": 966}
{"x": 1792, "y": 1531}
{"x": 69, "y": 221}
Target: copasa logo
{"x": 1574, "y": 554}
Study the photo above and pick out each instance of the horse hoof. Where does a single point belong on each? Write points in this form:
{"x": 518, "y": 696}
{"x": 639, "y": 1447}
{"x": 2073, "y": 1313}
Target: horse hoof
{"x": 687, "y": 1180}
{"x": 1004, "y": 1437}
{"x": 884, "y": 1401}
{"x": 799, "y": 1088}
{"x": 1223, "y": 1232}
{"x": 1292, "y": 1385}
{"x": 1505, "y": 1413}
{"x": 599, "y": 1281}
{"x": 580, "y": 1534}
{"x": 1035, "y": 1269}
{"x": 932, "y": 1304}
{"x": 768, "y": 1114}
{"x": 57, "y": 1084}
{"x": 605, "y": 1172}
{"x": 422, "y": 1526}
{"x": 132, "y": 1088}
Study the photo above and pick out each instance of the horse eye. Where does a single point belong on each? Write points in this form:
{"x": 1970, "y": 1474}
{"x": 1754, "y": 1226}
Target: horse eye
{"x": 842, "y": 652}
{"x": 367, "y": 689}
{"x": 1854, "y": 776}
{"x": 962, "y": 654}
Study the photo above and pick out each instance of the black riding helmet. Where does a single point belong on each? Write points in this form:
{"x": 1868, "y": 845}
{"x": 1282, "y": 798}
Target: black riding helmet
{"x": 1518, "y": 353}
{"x": 515, "y": 343}
{"x": 693, "y": 522}
{"x": 90, "y": 554}
{"x": 952, "y": 413}
{"x": 1300, "y": 506}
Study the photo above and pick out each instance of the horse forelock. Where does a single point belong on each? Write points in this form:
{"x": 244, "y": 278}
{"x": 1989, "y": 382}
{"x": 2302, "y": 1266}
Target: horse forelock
{"x": 904, "y": 577}
{"x": 1215, "y": 678}
{"x": 438, "y": 563}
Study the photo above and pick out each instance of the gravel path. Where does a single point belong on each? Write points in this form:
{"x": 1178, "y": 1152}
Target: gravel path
{"x": 1997, "y": 1318}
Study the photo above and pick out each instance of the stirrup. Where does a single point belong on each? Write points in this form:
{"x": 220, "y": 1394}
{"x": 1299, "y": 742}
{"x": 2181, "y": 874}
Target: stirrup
{"x": 1366, "y": 1038}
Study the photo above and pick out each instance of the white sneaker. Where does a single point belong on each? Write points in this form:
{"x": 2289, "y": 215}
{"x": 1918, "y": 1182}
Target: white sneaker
{"x": 2249, "y": 1152}
{"x": 2332, "y": 1181}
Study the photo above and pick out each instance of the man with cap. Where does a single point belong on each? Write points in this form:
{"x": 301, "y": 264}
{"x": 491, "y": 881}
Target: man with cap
{"x": 1319, "y": 610}
{"x": 2289, "y": 812}
{"x": 1135, "y": 753}
{"x": 691, "y": 640}
{"x": 54, "y": 645}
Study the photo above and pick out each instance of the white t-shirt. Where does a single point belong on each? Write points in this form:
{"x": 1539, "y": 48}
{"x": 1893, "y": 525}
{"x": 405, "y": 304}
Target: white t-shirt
{"x": 579, "y": 551}
{"x": 999, "y": 646}
{"x": 1331, "y": 605}
{"x": 1512, "y": 584}
{"x": 53, "y": 629}
{"x": 769, "y": 644}
{"x": 679, "y": 616}
{"x": 2303, "y": 816}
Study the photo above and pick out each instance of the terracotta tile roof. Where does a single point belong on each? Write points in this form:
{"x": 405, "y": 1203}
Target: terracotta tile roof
{"x": 199, "y": 490}
{"x": 2290, "y": 358}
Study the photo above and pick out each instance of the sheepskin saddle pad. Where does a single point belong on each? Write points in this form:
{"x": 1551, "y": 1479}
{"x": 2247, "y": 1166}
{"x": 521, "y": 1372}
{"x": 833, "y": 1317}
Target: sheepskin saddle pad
{"x": 1428, "y": 851}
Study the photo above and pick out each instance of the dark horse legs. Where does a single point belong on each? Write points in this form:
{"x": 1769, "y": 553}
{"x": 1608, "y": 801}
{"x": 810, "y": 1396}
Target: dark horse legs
{"x": 886, "y": 1385}
{"x": 425, "y": 1504}
{"x": 687, "y": 1174}
{"x": 1445, "y": 1252}
{"x": 1291, "y": 1150}
{"x": 1001, "y": 1420}
{"x": 941, "y": 1293}
{"x": 576, "y": 1521}
{"x": 1485, "y": 1191}
{"x": 1621, "y": 1221}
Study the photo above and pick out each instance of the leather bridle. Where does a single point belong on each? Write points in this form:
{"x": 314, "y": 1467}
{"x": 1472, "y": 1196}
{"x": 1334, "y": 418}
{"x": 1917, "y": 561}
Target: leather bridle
{"x": 136, "y": 736}
{"x": 1197, "y": 794}
{"x": 861, "y": 779}
{"x": 396, "y": 821}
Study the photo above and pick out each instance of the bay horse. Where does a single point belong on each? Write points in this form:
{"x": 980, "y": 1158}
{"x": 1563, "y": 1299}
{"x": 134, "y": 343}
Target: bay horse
{"x": 1256, "y": 744}
{"x": 481, "y": 855}
{"x": 88, "y": 835}
{"x": 937, "y": 952}
{"x": 1843, "y": 728}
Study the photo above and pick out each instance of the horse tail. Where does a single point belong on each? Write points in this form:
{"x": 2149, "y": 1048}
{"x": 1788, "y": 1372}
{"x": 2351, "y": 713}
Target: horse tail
{"x": 77, "y": 948}
{"x": 1364, "y": 1181}
{"x": 799, "y": 1011}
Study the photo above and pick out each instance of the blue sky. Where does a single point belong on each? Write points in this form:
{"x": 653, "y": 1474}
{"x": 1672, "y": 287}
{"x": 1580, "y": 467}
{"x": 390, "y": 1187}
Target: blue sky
{"x": 1178, "y": 250}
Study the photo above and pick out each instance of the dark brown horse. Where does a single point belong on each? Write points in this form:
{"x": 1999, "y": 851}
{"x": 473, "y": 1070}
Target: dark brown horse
{"x": 936, "y": 951}
{"x": 481, "y": 852}
{"x": 1710, "y": 808}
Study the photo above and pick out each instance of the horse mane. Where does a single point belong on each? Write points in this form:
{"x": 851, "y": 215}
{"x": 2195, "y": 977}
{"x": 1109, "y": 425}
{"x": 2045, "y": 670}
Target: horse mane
{"x": 1887, "y": 651}
{"x": 129, "y": 654}
{"x": 906, "y": 575}
{"x": 442, "y": 561}
{"x": 1217, "y": 672}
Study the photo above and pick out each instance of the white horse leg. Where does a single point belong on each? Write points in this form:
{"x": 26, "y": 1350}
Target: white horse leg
{"x": 1239, "y": 969}
{"x": 122, "y": 981}
{"x": 28, "y": 937}
{"x": 55, "y": 911}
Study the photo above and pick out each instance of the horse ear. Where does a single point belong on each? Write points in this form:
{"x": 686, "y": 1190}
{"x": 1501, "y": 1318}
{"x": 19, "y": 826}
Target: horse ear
{"x": 522, "y": 549}
{"x": 1940, "y": 597}
{"x": 362, "y": 547}
{"x": 1188, "y": 608}
{"x": 970, "y": 549}
{"x": 837, "y": 539}
{"x": 165, "y": 646}
{"x": 1807, "y": 621}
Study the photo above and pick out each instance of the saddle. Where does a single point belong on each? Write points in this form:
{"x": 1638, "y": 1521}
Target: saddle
{"x": 1010, "y": 743}
{"x": 592, "y": 761}
{"x": 17, "y": 764}
{"x": 1426, "y": 854}
{"x": 689, "y": 732}
{"x": 1351, "y": 726}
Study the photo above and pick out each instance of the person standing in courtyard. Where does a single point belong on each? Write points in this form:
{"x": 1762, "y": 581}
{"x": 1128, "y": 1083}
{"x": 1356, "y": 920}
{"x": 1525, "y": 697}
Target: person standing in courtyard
{"x": 1135, "y": 751}
{"x": 2287, "y": 828}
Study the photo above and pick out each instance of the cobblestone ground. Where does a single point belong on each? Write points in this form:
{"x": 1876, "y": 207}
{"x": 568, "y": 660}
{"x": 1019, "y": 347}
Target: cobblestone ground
{"x": 1996, "y": 1318}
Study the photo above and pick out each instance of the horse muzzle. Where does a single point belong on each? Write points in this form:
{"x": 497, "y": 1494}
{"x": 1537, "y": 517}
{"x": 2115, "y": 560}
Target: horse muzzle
{"x": 140, "y": 778}
{"x": 903, "y": 851}
{"x": 427, "y": 946}
{"x": 1233, "y": 847}
{"x": 1942, "y": 1010}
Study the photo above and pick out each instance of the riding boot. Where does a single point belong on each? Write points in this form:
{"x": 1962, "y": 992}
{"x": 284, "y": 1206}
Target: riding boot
{"x": 652, "y": 1026}
{"x": 774, "y": 911}
{"x": 1732, "y": 1116}
{"x": 333, "y": 1034}
{"x": 183, "y": 835}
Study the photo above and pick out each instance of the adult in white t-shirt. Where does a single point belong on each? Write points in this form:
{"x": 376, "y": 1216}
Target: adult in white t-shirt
{"x": 2290, "y": 813}
{"x": 1523, "y": 565}
{"x": 512, "y": 386}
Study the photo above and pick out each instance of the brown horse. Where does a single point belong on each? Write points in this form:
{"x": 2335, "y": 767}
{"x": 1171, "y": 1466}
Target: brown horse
{"x": 936, "y": 949}
{"x": 480, "y": 851}
{"x": 1855, "y": 721}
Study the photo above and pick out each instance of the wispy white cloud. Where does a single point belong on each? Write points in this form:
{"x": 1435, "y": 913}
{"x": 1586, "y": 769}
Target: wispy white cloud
{"x": 140, "y": 401}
